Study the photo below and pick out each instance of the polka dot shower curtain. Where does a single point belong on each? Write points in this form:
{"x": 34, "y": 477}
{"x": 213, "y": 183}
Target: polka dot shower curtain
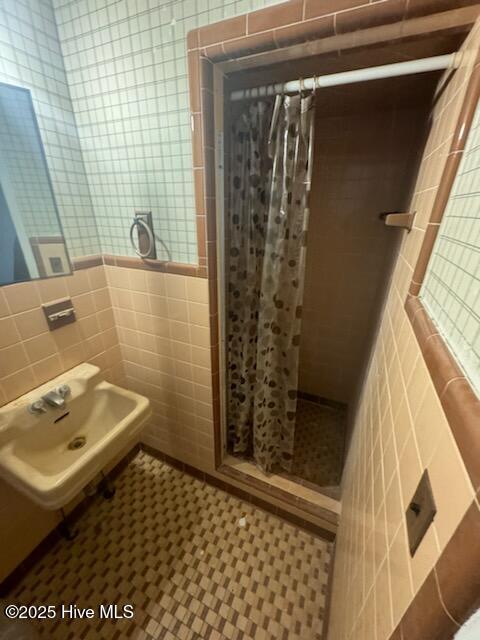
{"x": 271, "y": 157}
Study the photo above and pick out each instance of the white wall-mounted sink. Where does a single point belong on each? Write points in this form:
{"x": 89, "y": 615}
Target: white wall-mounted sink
{"x": 38, "y": 454}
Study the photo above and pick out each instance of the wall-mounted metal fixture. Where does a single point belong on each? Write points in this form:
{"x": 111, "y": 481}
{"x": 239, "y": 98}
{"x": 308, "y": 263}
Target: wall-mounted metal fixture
{"x": 59, "y": 313}
{"x": 420, "y": 513}
{"x": 143, "y": 223}
{"x": 403, "y": 220}
{"x": 37, "y": 407}
{"x": 54, "y": 398}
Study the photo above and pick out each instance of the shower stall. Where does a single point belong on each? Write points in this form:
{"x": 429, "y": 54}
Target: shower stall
{"x": 313, "y": 171}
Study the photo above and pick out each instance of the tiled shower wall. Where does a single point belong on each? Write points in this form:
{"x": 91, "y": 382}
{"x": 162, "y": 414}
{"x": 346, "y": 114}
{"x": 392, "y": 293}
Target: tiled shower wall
{"x": 126, "y": 67}
{"x": 30, "y": 57}
{"x": 400, "y": 430}
{"x": 364, "y": 163}
{"x": 30, "y": 355}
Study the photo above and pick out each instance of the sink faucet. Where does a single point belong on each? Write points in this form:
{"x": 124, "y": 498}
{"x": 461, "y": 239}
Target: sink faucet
{"x": 54, "y": 399}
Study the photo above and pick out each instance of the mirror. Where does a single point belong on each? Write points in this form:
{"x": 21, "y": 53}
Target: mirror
{"x": 31, "y": 238}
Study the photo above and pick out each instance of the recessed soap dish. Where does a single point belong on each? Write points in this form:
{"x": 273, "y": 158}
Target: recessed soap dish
{"x": 59, "y": 313}
{"x": 420, "y": 513}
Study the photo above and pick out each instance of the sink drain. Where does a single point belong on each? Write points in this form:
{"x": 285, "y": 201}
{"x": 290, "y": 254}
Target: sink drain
{"x": 77, "y": 443}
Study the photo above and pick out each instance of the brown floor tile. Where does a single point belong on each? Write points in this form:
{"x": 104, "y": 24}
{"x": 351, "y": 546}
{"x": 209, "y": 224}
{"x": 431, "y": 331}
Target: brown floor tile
{"x": 319, "y": 443}
{"x": 173, "y": 547}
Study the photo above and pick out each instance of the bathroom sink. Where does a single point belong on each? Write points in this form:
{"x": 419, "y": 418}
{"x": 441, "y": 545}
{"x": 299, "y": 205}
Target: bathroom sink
{"x": 51, "y": 455}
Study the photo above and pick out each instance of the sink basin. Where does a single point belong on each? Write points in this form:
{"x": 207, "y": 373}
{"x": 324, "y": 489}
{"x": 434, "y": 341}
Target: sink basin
{"x": 51, "y": 456}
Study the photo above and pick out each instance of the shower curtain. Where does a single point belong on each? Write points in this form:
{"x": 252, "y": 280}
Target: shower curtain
{"x": 271, "y": 160}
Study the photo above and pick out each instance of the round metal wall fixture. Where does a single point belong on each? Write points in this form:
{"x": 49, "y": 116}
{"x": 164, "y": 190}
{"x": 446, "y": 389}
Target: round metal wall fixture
{"x": 151, "y": 240}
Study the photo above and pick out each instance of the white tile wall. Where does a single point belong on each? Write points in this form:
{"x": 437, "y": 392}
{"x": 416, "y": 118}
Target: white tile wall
{"x": 125, "y": 62}
{"x": 126, "y": 67}
{"x": 451, "y": 289}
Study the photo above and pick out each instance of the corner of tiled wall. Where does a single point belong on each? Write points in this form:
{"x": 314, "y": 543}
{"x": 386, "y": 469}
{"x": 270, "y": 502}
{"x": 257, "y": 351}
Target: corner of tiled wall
{"x": 126, "y": 67}
{"x": 400, "y": 430}
{"x": 163, "y": 327}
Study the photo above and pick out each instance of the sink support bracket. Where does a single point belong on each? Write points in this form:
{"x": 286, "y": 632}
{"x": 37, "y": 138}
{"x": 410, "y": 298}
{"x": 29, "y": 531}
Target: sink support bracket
{"x": 65, "y": 528}
{"x": 106, "y": 487}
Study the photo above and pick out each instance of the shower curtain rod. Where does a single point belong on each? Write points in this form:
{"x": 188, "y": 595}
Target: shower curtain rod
{"x": 348, "y": 77}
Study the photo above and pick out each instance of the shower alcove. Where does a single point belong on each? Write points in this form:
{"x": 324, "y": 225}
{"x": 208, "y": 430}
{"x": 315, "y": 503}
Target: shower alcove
{"x": 369, "y": 138}
{"x": 367, "y": 143}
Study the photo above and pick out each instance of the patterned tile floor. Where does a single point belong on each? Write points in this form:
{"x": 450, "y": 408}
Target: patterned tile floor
{"x": 173, "y": 547}
{"x": 319, "y": 443}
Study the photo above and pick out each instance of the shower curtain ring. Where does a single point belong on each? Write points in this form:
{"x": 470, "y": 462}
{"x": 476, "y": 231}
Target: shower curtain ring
{"x": 302, "y": 86}
{"x": 280, "y": 92}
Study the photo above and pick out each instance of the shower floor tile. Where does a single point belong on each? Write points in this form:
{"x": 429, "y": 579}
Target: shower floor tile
{"x": 319, "y": 443}
{"x": 174, "y": 548}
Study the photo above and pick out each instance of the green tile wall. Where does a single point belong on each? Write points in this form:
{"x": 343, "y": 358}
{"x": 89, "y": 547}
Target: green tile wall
{"x": 127, "y": 72}
{"x": 451, "y": 289}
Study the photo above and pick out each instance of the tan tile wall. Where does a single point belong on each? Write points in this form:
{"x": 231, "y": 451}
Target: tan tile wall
{"x": 400, "y": 430}
{"x": 163, "y": 328}
{"x": 163, "y": 352}
{"x": 30, "y": 355}
{"x": 363, "y": 166}
{"x": 164, "y": 333}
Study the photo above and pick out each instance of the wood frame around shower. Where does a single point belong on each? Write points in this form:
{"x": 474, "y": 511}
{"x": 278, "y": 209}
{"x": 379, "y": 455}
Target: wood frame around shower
{"x": 301, "y": 28}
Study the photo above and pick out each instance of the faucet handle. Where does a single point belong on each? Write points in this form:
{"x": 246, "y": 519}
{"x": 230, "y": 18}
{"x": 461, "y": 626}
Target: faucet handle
{"x": 37, "y": 407}
{"x": 63, "y": 390}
